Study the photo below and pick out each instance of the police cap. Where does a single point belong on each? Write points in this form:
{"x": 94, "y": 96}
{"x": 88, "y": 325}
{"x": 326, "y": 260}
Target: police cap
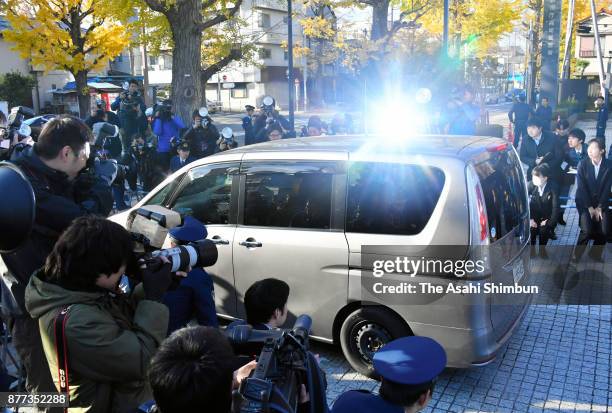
{"x": 410, "y": 360}
{"x": 191, "y": 230}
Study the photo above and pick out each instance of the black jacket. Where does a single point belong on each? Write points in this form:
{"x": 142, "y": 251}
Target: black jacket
{"x": 548, "y": 148}
{"x": 591, "y": 192}
{"x": 520, "y": 112}
{"x": 545, "y": 207}
{"x": 58, "y": 202}
{"x": 202, "y": 141}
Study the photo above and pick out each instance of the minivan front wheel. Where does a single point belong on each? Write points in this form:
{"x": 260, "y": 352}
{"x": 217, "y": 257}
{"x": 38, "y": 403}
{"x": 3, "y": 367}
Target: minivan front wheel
{"x": 365, "y": 331}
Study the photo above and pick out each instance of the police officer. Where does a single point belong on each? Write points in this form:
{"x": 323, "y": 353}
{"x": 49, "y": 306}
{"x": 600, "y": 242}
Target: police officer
{"x": 247, "y": 125}
{"x": 519, "y": 115}
{"x": 544, "y": 112}
{"x": 194, "y": 295}
{"x": 408, "y": 368}
{"x": 602, "y": 117}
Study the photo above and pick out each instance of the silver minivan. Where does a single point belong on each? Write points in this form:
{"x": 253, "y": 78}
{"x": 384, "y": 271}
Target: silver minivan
{"x": 303, "y": 209}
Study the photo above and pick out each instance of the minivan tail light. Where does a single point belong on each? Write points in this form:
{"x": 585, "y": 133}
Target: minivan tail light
{"x": 479, "y": 223}
{"x": 497, "y": 148}
{"x": 482, "y": 216}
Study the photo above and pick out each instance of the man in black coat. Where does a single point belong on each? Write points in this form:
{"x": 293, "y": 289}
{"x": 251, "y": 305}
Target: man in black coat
{"x": 594, "y": 179}
{"x": 519, "y": 115}
{"x": 543, "y": 207}
{"x": 545, "y": 113}
{"x": 540, "y": 147}
{"x": 53, "y": 166}
{"x": 201, "y": 136}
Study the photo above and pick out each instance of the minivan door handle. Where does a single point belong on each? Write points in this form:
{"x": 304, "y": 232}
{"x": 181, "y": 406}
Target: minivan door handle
{"x": 219, "y": 241}
{"x": 250, "y": 243}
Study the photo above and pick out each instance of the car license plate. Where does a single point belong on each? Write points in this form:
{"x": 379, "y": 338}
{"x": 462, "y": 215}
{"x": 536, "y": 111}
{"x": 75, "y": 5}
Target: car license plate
{"x": 518, "y": 271}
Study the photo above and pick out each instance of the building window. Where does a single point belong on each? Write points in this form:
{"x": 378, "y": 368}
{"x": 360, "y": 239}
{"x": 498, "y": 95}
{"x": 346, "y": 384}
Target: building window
{"x": 167, "y": 62}
{"x": 587, "y": 47}
{"x": 152, "y": 60}
{"x": 240, "y": 92}
{"x": 265, "y": 53}
{"x": 264, "y": 21}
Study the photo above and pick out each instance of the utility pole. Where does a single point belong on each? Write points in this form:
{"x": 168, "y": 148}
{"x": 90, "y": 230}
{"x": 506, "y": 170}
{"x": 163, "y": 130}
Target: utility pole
{"x": 290, "y": 65}
{"x": 445, "y": 30}
{"x": 565, "y": 71}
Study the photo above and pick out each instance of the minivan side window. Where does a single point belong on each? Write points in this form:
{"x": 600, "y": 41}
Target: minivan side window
{"x": 288, "y": 200}
{"x": 162, "y": 195}
{"x": 206, "y": 193}
{"x": 393, "y": 199}
{"x": 503, "y": 187}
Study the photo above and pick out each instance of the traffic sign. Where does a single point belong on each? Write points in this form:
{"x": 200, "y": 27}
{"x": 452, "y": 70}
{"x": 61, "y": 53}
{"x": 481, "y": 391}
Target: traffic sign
{"x": 229, "y": 85}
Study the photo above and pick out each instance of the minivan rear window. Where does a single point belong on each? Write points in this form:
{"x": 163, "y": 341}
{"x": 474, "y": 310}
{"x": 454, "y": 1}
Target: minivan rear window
{"x": 503, "y": 186}
{"x": 394, "y": 199}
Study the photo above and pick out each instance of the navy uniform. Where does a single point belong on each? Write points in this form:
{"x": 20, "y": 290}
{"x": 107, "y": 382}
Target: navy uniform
{"x": 411, "y": 361}
{"x": 519, "y": 115}
{"x": 602, "y": 121}
{"x": 194, "y": 297}
{"x": 247, "y": 125}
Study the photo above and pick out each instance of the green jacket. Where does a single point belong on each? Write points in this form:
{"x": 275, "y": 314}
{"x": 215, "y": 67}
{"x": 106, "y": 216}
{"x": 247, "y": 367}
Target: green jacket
{"x": 110, "y": 340}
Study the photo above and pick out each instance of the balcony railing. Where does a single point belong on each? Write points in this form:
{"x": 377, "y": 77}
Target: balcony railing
{"x": 588, "y": 53}
{"x": 271, "y": 4}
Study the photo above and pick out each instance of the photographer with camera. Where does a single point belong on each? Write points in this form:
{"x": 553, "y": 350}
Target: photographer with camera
{"x": 227, "y": 140}
{"x": 167, "y": 127}
{"x": 202, "y": 135}
{"x": 131, "y": 108}
{"x": 269, "y": 116}
{"x": 97, "y": 340}
{"x": 195, "y": 370}
{"x": 63, "y": 191}
{"x": 408, "y": 368}
{"x": 108, "y": 147}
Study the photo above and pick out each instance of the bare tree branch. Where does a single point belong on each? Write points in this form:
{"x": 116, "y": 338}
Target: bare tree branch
{"x": 156, "y": 5}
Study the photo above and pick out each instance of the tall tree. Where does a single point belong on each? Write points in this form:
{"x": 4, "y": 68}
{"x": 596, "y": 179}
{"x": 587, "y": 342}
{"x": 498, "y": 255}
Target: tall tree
{"x": 78, "y": 36}
{"x": 187, "y": 20}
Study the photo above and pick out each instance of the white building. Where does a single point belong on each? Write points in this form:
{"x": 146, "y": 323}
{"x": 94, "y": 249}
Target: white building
{"x": 11, "y": 61}
{"x": 267, "y": 28}
{"x": 585, "y": 48}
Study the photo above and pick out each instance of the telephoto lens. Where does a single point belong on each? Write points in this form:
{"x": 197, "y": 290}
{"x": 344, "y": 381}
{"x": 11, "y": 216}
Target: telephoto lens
{"x": 201, "y": 253}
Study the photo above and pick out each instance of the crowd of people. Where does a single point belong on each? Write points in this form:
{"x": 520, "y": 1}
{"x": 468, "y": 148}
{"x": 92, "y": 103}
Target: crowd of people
{"x": 88, "y": 318}
{"x": 557, "y": 160}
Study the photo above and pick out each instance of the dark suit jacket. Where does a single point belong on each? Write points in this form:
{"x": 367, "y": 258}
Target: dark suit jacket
{"x": 592, "y": 192}
{"x": 545, "y": 207}
{"x": 175, "y": 163}
{"x": 548, "y": 148}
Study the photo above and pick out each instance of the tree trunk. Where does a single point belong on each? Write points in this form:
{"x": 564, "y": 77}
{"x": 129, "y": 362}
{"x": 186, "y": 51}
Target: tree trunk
{"x": 82, "y": 90}
{"x": 380, "y": 14}
{"x": 187, "y": 87}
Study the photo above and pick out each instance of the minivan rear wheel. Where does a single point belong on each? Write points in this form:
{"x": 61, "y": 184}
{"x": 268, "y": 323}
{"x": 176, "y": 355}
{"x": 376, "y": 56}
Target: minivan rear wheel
{"x": 365, "y": 331}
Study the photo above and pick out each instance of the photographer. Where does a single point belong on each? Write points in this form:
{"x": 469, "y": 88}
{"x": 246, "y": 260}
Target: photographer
{"x": 274, "y": 132}
{"x": 100, "y": 338}
{"x": 108, "y": 146}
{"x": 194, "y": 371}
{"x": 408, "y": 368}
{"x": 227, "y": 140}
{"x": 201, "y": 136}
{"x": 266, "y": 304}
{"x": 167, "y": 127}
{"x": 53, "y": 166}
{"x": 268, "y": 116}
{"x": 97, "y": 116}
{"x": 131, "y": 109}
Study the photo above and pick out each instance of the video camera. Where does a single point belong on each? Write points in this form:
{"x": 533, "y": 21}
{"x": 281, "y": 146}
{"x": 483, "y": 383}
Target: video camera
{"x": 15, "y": 122}
{"x": 283, "y": 366}
{"x": 128, "y": 99}
{"x": 165, "y": 110}
{"x": 149, "y": 227}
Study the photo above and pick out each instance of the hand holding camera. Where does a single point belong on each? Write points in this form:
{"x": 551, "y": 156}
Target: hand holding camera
{"x": 156, "y": 277}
